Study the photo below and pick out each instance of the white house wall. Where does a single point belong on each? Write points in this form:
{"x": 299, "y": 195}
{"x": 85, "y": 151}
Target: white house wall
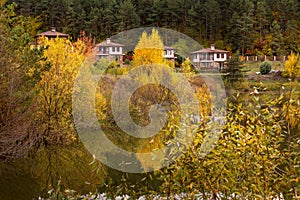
{"x": 220, "y": 59}
{"x": 202, "y": 58}
{"x": 169, "y": 54}
{"x": 196, "y": 58}
{"x": 115, "y": 52}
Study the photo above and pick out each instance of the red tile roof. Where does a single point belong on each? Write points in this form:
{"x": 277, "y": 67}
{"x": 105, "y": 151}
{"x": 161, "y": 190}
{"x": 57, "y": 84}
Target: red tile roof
{"x": 209, "y": 50}
{"x": 52, "y": 34}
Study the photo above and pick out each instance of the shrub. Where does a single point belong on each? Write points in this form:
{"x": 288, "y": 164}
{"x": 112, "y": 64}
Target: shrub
{"x": 265, "y": 67}
{"x": 117, "y": 71}
{"x": 127, "y": 62}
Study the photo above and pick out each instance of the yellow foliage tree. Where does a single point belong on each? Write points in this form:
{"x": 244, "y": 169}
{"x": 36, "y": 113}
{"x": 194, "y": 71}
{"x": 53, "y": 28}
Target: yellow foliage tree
{"x": 54, "y": 101}
{"x": 87, "y": 96}
{"x": 149, "y": 50}
{"x": 186, "y": 65}
{"x": 292, "y": 66}
{"x": 205, "y": 101}
{"x": 291, "y": 107}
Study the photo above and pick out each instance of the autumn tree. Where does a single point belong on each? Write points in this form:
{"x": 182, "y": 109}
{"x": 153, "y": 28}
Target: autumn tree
{"x": 17, "y": 132}
{"x": 245, "y": 163}
{"x": 55, "y": 89}
{"x": 291, "y": 116}
{"x": 186, "y": 65}
{"x": 292, "y": 66}
{"x": 149, "y": 49}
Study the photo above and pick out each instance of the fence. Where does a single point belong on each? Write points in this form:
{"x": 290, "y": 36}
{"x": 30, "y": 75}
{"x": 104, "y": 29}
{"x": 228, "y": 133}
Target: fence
{"x": 263, "y": 58}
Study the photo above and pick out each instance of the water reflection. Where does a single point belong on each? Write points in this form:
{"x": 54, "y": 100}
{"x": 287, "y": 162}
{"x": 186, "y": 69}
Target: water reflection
{"x": 32, "y": 177}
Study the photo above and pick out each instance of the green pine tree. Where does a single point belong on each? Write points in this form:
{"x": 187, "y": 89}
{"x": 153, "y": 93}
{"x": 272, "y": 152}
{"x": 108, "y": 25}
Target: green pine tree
{"x": 234, "y": 68}
{"x": 277, "y": 43}
{"x": 291, "y": 36}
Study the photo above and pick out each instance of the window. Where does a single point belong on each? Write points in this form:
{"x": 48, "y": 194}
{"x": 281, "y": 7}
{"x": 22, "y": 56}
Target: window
{"x": 222, "y": 55}
{"x": 113, "y": 49}
{"x": 118, "y": 49}
{"x": 218, "y": 55}
{"x": 207, "y": 57}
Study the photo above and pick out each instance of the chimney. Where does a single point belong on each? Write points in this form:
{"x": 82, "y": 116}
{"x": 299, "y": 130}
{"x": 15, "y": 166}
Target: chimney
{"x": 212, "y": 47}
{"x": 53, "y": 29}
{"x": 107, "y": 40}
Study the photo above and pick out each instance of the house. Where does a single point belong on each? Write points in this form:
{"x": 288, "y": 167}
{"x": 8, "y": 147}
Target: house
{"x": 169, "y": 53}
{"x": 209, "y": 57}
{"x": 52, "y": 34}
{"x": 48, "y": 34}
{"x": 110, "y": 50}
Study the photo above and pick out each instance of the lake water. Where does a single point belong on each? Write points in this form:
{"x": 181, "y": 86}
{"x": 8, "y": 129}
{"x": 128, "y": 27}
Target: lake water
{"x": 30, "y": 178}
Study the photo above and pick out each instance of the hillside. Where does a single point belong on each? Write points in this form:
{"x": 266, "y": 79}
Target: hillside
{"x": 254, "y": 27}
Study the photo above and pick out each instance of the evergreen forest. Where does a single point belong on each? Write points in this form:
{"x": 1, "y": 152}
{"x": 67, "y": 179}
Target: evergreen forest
{"x": 254, "y": 27}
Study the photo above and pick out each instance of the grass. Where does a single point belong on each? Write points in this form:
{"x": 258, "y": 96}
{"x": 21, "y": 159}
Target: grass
{"x": 269, "y": 86}
{"x": 253, "y": 67}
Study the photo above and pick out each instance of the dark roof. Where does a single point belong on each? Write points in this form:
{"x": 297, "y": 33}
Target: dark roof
{"x": 209, "y": 50}
{"x": 109, "y": 44}
{"x": 52, "y": 33}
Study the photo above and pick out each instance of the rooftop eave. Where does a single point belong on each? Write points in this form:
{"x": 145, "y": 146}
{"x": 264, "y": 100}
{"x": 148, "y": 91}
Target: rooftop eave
{"x": 53, "y": 35}
{"x": 111, "y": 44}
{"x": 210, "y": 51}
